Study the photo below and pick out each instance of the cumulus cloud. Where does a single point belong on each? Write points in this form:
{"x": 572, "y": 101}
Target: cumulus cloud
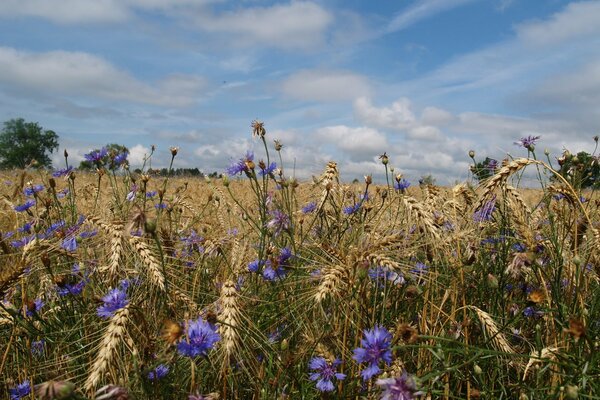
{"x": 297, "y": 25}
{"x": 398, "y": 116}
{"x": 421, "y": 10}
{"x": 357, "y": 141}
{"x": 78, "y": 73}
{"x": 325, "y": 85}
{"x": 137, "y": 155}
{"x": 579, "y": 19}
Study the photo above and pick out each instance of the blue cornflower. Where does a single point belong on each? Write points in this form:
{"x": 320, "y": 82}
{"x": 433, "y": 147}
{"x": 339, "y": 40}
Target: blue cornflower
{"x": 34, "y": 307}
{"x": 25, "y": 206}
{"x": 324, "y": 372}
{"x": 21, "y": 391}
{"x": 401, "y": 387}
{"x": 132, "y": 192}
{"x": 268, "y": 170}
{"x": 352, "y": 209}
{"x": 88, "y": 234}
{"x": 69, "y": 244}
{"x": 62, "y": 172}
{"x": 23, "y": 241}
{"x": 401, "y": 185}
{"x": 279, "y": 222}
{"x": 62, "y": 193}
{"x": 382, "y": 275}
{"x": 532, "y": 312}
{"x": 237, "y": 167}
{"x": 375, "y": 348}
{"x": 96, "y": 156}
{"x": 492, "y": 164}
{"x": 485, "y": 212}
{"x": 26, "y": 228}
{"x": 31, "y": 190}
{"x": 310, "y": 207}
{"x": 160, "y": 206}
{"x": 201, "y": 337}
{"x": 420, "y": 269}
{"x": 113, "y": 301}
{"x": 527, "y": 142}
{"x": 37, "y": 347}
{"x": 120, "y": 158}
{"x": 254, "y": 266}
{"x": 271, "y": 274}
{"x": 158, "y": 373}
{"x": 72, "y": 289}
{"x": 151, "y": 194}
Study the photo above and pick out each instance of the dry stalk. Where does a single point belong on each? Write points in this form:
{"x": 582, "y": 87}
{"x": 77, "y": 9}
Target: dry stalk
{"x": 113, "y": 336}
{"x": 498, "y": 339}
{"x": 332, "y": 282}
{"x": 546, "y": 354}
{"x": 417, "y": 209}
{"x": 154, "y": 269}
{"x": 501, "y": 177}
{"x": 115, "y": 231}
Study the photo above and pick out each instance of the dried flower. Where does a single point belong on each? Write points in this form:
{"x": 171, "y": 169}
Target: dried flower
{"x": 401, "y": 387}
{"x": 258, "y": 129}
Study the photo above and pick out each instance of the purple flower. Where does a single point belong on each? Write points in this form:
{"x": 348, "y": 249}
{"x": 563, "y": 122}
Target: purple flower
{"x": 62, "y": 172}
{"x": 113, "y": 301}
{"x": 530, "y": 311}
{"x": 158, "y": 373}
{"x": 96, "y": 156}
{"x": 310, "y": 207}
{"x": 527, "y": 142}
{"x": 420, "y": 269}
{"x": 21, "y": 391}
{"x": 254, "y": 266}
{"x": 201, "y": 337}
{"x": 37, "y": 347}
{"x": 492, "y": 164}
{"x": 132, "y": 193}
{"x": 268, "y": 170}
{"x": 382, "y": 275}
{"x": 401, "y": 387}
{"x": 36, "y": 306}
{"x": 279, "y": 222}
{"x": 237, "y": 167}
{"x": 352, "y": 209}
{"x": 150, "y": 195}
{"x": 485, "y": 212}
{"x": 375, "y": 348}
{"x": 23, "y": 241}
{"x": 69, "y": 244}
{"x": 402, "y": 185}
{"x": 324, "y": 372}
{"x": 26, "y": 228}
{"x": 120, "y": 158}
{"x": 160, "y": 206}
{"x": 31, "y": 190}
{"x": 25, "y": 206}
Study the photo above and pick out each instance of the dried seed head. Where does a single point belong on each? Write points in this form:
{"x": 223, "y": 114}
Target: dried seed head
{"x": 537, "y": 296}
{"x": 576, "y": 328}
{"x": 368, "y": 179}
{"x": 173, "y": 150}
{"x": 278, "y": 145}
{"x": 258, "y": 129}
{"x": 172, "y": 331}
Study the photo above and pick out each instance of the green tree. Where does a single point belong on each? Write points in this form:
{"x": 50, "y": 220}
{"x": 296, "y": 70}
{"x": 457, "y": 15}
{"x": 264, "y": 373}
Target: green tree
{"x": 485, "y": 169}
{"x": 23, "y": 142}
{"x": 581, "y": 170}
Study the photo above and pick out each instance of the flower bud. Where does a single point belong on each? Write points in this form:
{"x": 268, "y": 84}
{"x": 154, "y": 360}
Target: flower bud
{"x": 477, "y": 370}
{"x": 472, "y": 154}
{"x": 173, "y": 150}
{"x": 368, "y": 179}
{"x": 65, "y": 153}
{"x": 278, "y": 145}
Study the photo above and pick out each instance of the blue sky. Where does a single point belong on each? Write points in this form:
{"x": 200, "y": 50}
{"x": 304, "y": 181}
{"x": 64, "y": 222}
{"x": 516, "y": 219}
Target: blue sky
{"x": 423, "y": 80}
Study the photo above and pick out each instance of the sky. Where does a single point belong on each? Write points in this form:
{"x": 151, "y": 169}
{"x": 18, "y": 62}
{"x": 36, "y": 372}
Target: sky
{"x": 334, "y": 80}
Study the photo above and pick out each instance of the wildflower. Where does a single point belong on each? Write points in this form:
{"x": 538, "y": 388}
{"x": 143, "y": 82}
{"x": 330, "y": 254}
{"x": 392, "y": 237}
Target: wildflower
{"x": 69, "y": 244}
{"x": 113, "y": 301}
{"x": 242, "y": 165}
{"x": 23, "y": 241}
{"x": 25, "y": 206}
{"x": 351, "y": 209}
{"x": 96, "y": 156}
{"x": 375, "y": 348}
{"x": 201, "y": 337}
{"x": 384, "y": 158}
{"x": 37, "y": 347}
{"x": 492, "y": 164}
{"x": 62, "y": 172}
{"x": 254, "y": 266}
{"x": 32, "y": 190}
{"x": 532, "y": 312}
{"x": 132, "y": 193}
{"x": 576, "y": 328}
{"x": 150, "y": 195}
{"x": 485, "y": 212}
{"x": 324, "y": 372}
{"x": 528, "y": 142}
{"x": 160, "y": 206}
{"x": 420, "y": 269}
{"x": 279, "y": 222}
{"x": 112, "y": 392}
{"x": 258, "y": 129}
{"x": 34, "y": 307}
{"x": 382, "y": 275}
{"x": 26, "y": 228}
{"x": 120, "y": 159}
{"x": 21, "y": 391}
{"x": 402, "y": 185}
{"x": 264, "y": 170}
{"x": 158, "y": 373}
{"x": 401, "y": 387}
{"x": 310, "y": 207}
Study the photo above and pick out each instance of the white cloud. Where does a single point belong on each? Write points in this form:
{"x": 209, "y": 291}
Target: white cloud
{"x": 297, "y": 25}
{"x": 398, "y": 116}
{"x": 361, "y": 140}
{"x": 577, "y": 20}
{"x": 325, "y": 85}
{"x": 436, "y": 116}
{"x": 421, "y": 10}
{"x": 84, "y": 74}
{"x": 137, "y": 154}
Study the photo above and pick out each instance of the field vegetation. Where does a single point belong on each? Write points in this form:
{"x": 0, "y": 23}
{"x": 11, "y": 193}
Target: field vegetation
{"x": 123, "y": 285}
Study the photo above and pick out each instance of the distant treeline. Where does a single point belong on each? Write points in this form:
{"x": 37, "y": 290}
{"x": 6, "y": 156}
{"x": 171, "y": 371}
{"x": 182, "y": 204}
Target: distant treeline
{"x": 180, "y": 172}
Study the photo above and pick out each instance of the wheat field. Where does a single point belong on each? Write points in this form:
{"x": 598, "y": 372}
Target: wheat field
{"x": 123, "y": 285}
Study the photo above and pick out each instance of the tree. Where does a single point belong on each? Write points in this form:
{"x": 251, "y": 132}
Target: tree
{"x": 485, "y": 169}
{"x": 581, "y": 170}
{"x": 23, "y": 142}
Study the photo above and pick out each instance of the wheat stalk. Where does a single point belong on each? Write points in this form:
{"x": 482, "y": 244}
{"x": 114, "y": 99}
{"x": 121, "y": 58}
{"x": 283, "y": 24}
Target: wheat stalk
{"x": 156, "y": 276}
{"x": 418, "y": 210}
{"x": 501, "y": 177}
{"x": 498, "y": 339}
{"x": 112, "y": 337}
{"x": 229, "y": 317}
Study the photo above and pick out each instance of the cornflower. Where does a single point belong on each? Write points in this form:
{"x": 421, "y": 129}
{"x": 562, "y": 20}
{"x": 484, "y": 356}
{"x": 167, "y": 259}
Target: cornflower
{"x": 528, "y": 142}
{"x": 113, "y": 301}
{"x": 201, "y": 337}
{"x": 242, "y": 165}
{"x": 25, "y": 206}
{"x": 21, "y": 391}
{"x": 485, "y": 212}
{"x": 96, "y": 156}
{"x": 310, "y": 207}
{"x": 158, "y": 373}
{"x": 268, "y": 170}
{"x": 401, "y": 387}
{"x": 401, "y": 185}
{"x": 324, "y": 372}
{"x": 32, "y": 190}
{"x": 69, "y": 244}
{"x": 62, "y": 172}
{"x": 352, "y": 209}
{"x": 375, "y": 348}
{"x": 279, "y": 222}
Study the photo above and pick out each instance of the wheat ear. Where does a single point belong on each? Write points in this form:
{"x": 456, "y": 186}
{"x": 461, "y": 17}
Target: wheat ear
{"x": 156, "y": 276}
